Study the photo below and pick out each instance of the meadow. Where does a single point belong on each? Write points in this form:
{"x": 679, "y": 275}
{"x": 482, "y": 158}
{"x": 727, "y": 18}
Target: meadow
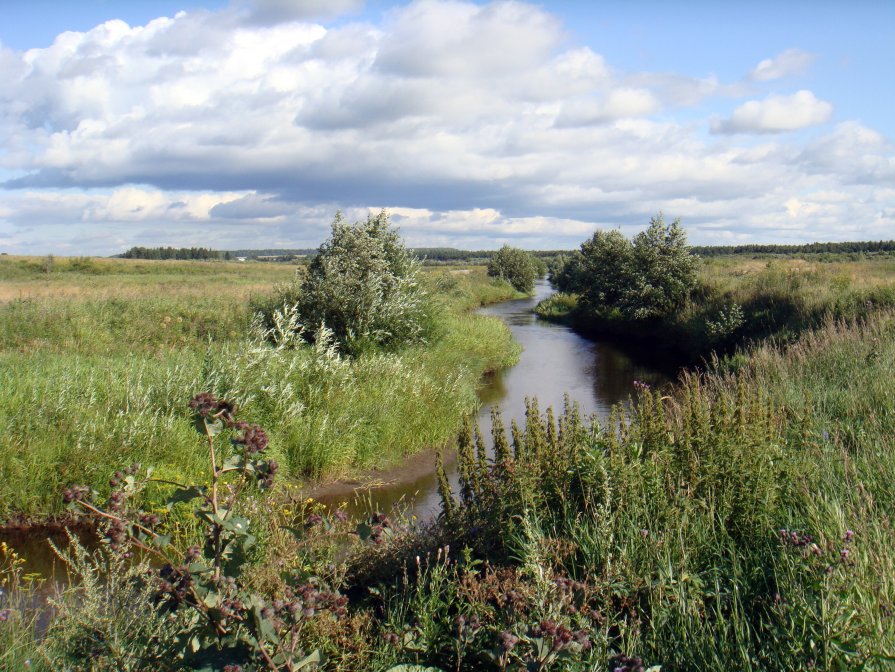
{"x": 100, "y": 357}
{"x": 739, "y": 521}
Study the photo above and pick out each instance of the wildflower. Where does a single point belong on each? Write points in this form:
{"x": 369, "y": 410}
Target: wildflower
{"x": 206, "y": 405}
{"x": 76, "y": 493}
{"x": 507, "y": 640}
{"x": 644, "y": 533}
{"x": 849, "y": 535}
{"x": 843, "y": 554}
{"x": 4, "y": 615}
{"x": 313, "y": 520}
{"x": 582, "y": 639}
{"x": 340, "y": 516}
{"x": 193, "y": 553}
{"x": 149, "y": 520}
{"x": 253, "y": 438}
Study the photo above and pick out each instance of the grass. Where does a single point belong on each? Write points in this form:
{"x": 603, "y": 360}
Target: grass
{"x": 742, "y": 522}
{"x": 741, "y": 300}
{"x": 97, "y": 374}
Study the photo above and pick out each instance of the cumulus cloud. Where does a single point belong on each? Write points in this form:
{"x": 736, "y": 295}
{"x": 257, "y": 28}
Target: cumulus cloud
{"x": 498, "y": 129}
{"x": 266, "y": 12}
{"x": 777, "y": 114}
{"x": 618, "y": 104}
{"x": 785, "y": 64}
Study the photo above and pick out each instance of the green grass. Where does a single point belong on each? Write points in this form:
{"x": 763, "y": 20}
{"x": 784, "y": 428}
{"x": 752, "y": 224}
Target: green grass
{"x": 740, "y": 300}
{"x": 559, "y": 306}
{"x": 669, "y": 517}
{"x": 100, "y": 377}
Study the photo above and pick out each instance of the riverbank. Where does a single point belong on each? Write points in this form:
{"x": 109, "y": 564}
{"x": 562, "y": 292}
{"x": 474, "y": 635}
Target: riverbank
{"x": 741, "y": 301}
{"x": 739, "y": 522}
{"x": 99, "y": 366}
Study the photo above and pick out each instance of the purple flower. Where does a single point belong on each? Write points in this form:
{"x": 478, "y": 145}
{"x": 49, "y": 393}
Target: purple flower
{"x": 507, "y": 640}
{"x": 849, "y": 535}
{"x": 253, "y": 438}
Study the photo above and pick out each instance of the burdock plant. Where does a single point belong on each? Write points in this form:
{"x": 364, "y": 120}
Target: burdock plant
{"x": 223, "y": 623}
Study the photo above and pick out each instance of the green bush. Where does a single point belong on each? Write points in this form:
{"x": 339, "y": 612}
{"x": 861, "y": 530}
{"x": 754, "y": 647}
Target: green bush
{"x": 516, "y": 266}
{"x": 565, "y": 272}
{"x": 648, "y": 277}
{"x": 364, "y": 287}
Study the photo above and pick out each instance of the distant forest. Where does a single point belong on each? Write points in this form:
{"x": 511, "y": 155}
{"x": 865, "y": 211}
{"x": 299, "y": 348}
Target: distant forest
{"x": 449, "y": 255}
{"x": 809, "y": 248}
{"x": 173, "y": 253}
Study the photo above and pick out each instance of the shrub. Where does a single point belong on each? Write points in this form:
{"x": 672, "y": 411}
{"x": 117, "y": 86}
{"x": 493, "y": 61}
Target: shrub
{"x": 648, "y": 277}
{"x": 363, "y": 285}
{"x": 516, "y": 266}
{"x": 565, "y": 272}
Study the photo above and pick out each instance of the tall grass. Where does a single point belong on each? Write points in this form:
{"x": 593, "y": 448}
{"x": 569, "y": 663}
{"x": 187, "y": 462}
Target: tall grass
{"x": 95, "y": 383}
{"x": 744, "y": 523}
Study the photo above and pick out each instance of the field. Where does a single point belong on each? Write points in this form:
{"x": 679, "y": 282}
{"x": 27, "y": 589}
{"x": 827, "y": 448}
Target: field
{"x": 739, "y": 521}
{"x": 99, "y": 359}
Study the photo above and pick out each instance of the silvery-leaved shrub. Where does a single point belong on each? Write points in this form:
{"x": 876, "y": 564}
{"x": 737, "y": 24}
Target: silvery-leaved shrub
{"x": 363, "y": 287}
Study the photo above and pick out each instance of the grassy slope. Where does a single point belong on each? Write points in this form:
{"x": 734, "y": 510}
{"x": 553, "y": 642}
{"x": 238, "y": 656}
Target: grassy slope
{"x": 98, "y": 364}
{"x": 779, "y": 298}
{"x": 670, "y": 516}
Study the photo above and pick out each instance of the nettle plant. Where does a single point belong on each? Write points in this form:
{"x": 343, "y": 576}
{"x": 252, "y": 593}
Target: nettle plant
{"x": 223, "y": 625}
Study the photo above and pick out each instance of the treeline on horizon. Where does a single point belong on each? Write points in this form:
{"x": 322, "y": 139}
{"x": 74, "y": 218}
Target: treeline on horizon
{"x": 450, "y": 255}
{"x": 808, "y": 248}
{"x": 173, "y": 253}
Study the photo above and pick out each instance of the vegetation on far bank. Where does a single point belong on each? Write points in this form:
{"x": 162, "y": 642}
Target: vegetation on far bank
{"x": 689, "y": 309}
{"x": 518, "y": 267}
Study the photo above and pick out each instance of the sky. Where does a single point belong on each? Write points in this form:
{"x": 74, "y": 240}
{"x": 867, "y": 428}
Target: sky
{"x": 249, "y": 123}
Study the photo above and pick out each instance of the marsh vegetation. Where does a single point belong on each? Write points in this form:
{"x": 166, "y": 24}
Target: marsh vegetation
{"x": 740, "y": 520}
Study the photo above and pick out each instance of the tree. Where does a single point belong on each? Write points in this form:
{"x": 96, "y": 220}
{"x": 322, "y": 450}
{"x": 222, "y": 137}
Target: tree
{"x": 566, "y": 272}
{"x": 515, "y": 266}
{"x": 664, "y": 269}
{"x": 647, "y": 278}
{"x": 362, "y": 286}
{"x": 605, "y": 273}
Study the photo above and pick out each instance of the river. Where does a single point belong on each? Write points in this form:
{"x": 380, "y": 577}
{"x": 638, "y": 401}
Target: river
{"x": 555, "y": 361}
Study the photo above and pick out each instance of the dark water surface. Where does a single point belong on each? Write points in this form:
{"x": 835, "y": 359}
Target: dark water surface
{"x": 555, "y": 361}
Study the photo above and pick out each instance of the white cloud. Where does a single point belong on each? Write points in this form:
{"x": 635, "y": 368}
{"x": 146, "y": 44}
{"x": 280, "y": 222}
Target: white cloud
{"x": 494, "y": 129}
{"x": 618, "y": 104}
{"x": 776, "y": 114}
{"x": 785, "y": 64}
